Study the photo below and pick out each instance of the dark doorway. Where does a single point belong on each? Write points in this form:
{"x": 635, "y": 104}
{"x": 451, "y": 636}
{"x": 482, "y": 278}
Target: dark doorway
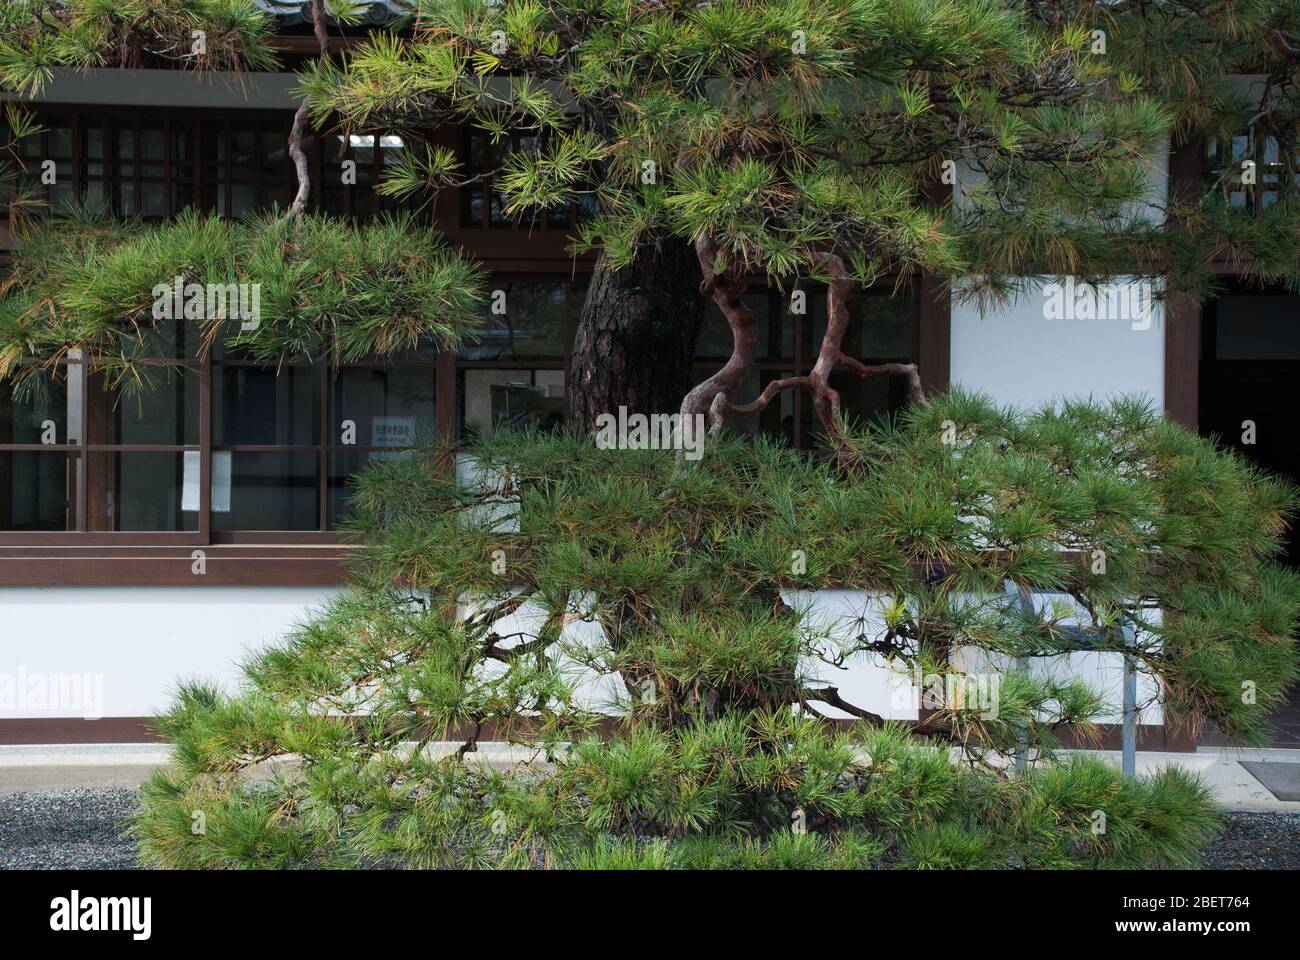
{"x": 1250, "y": 374}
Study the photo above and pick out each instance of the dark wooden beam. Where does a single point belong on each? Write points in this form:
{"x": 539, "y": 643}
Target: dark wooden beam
{"x": 1183, "y": 314}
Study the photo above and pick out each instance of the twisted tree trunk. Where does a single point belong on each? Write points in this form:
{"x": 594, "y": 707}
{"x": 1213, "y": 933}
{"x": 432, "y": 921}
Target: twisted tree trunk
{"x": 726, "y": 283}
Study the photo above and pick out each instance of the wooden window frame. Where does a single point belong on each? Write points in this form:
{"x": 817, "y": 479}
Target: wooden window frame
{"x": 519, "y": 253}
{"x": 323, "y": 448}
{"x": 456, "y": 365}
{"x": 211, "y": 179}
{"x": 1218, "y": 165}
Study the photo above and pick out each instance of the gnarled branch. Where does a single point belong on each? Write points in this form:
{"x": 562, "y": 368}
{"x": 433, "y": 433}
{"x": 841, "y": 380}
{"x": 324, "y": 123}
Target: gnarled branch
{"x": 299, "y": 128}
{"x": 727, "y": 288}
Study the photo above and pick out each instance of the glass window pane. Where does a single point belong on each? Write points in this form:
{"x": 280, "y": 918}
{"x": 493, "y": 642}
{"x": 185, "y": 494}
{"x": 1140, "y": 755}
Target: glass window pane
{"x": 387, "y": 407}
{"x": 92, "y": 142}
{"x": 266, "y": 491}
{"x": 125, "y": 198}
{"x": 35, "y": 411}
{"x": 60, "y": 139}
{"x": 510, "y": 398}
{"x": 530, "y": 325}
{"x": 255, "y": 405}
{"x": 776, "y": 420}
{"x": 557, "y": 218}
{"x": 171, "y": 340}
{"x": 363, "y": 152}
{"x": 32, "y": 147}
{"x": 163, "y": 411}
{"x": 180, "y": 143}
{"x": 36, "y": 490}
{"x": 474, "y": 215}
{"x": 135, "y": 491}
{"x": 214, "y": 143}
{"x": 274, "y": 158}
{"x": 715, "y": 341}
{"x": 363, "y": 202}
{"x": 880, "y": 327}
{"x": 152, "y": 200}
{"x": 243, "y": 199}
{"x": 498, "y": 210}
{"x": 588, "y": 207}
{"x": 60, "y": 196}
{"x": 1258, "y": 327}
{"x": 872, "y": 398}
{"x": 125, "y": 141}
{"x": 390, "y": 150}
{"x": 151, "y": 143}
{"x": 344, "y": 466}
{"x": 242, "y": 146}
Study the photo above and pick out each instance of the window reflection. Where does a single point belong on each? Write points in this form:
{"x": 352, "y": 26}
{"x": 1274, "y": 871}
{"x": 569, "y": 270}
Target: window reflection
{"x": 510, "y": 398}
{"x": 258, "y": 406}
{"x": 523, "y": 321}
{"x": 388, "y": 407}
{"x": 162, "y": 411}
{"x": 38, "y": 410}
{"x": 140, "y": 491}
{"x": 36, "y": 491}
{"x": 266, "y": 491}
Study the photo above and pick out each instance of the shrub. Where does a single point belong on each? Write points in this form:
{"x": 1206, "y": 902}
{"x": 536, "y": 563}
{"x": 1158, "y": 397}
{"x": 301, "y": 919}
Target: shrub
{"x": 634, "y": 623}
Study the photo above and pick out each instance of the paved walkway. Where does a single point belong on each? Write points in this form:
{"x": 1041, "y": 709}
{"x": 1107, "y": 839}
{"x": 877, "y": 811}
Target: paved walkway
{"x": 1232, "y": 784}
{"x": 58, "y": 767}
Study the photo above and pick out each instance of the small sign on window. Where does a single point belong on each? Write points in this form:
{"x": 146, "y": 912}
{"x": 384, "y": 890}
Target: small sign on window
{"x": 392, "y": 432}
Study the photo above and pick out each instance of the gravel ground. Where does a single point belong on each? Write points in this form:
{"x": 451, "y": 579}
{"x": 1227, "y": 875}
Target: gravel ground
{"x": 1257, "y": 841}
{"x": 78, "y": 829}
{"x": 66, "y": 829}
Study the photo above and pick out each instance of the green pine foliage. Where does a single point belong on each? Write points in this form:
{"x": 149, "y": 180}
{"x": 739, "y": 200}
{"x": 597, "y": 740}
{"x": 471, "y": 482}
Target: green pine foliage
{"x": 784, "y": 132}
{"x": 325, "y": 288}
{"x": 38, "y": 37}
{"x": 630, "y": 622}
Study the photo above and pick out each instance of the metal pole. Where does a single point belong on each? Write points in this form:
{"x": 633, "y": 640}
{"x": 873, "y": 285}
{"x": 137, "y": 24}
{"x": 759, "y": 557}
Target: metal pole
{"x": 1022, "y": 665}
{"x": 1129, "y": 741}
{"x": 1022, "y": 740}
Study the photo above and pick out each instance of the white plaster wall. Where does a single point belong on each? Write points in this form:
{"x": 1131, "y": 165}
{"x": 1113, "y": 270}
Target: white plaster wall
{"x": 1019, "y": 357}
{"x": 868, "y": 682}
{"x": 136, "y": 640}
{"x": 865, "y": 681}
{"x": 1025, "y": 355}
{"x": 121, "y": 650}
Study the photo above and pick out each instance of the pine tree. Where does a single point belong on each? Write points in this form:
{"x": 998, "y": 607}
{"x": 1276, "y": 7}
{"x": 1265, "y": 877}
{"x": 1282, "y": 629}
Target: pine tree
{"x": 792, "y": 141}
{"x": 787, "y": 141}
{"x": 633, "y": 620}
{"x": 640, "y": 631}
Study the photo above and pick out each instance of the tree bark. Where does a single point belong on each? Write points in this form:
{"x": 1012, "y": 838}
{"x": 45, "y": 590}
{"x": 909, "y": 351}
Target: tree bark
{"x": 727, "y": 289}
{"x": 299, "y": 205}
{"x": 636, "y": 338}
